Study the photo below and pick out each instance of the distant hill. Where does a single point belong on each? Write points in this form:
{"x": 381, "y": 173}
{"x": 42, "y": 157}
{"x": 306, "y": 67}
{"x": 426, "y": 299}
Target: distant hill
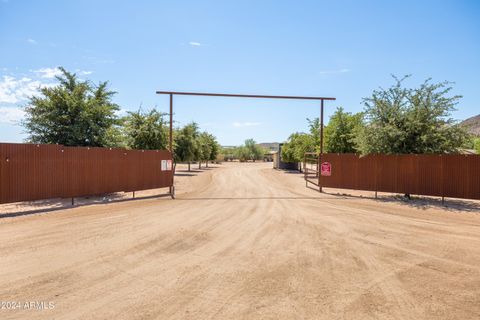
{"x": 472, "y": 125}
{"x": 271, "y": 146}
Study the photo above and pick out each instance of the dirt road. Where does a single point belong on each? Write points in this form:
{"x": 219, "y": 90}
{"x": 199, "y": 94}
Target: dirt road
{"x": 243, "y": 241}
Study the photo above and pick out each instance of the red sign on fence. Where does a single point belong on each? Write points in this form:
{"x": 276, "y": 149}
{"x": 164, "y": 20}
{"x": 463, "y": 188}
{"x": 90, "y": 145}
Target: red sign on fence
{"x": 326, "y": 169}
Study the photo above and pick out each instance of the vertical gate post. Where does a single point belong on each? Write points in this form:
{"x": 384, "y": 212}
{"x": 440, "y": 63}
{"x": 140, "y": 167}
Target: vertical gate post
{"x": 305, "y": 169}
{"x": 321, "y": 146}
{"x": 170, "y": 131}
{"x": 170, "y": 141}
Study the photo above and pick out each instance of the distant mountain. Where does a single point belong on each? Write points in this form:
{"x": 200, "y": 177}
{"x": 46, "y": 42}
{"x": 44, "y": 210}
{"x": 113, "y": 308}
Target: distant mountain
{"x": 472, "y": 125}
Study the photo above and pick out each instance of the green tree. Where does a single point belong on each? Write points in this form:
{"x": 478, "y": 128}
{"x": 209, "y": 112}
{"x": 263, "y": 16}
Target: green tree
{"x": 146, "y": 130}
{"x": 186, "y": 144}
{"x": 205, "y": 147}
{"x": 242, "y": 153}
{"x": 476, "y": 145}
{"x": 229, "y": 153}
{"x": 403, "y": 120}
{"x": 314, "y": 129}
{"x": 253, "y": 151}
{"x": 296, "y": 146}
{"x": 73, "y": 113}
{"x": 214, "y": 148}
{"x": 341, "y": 132}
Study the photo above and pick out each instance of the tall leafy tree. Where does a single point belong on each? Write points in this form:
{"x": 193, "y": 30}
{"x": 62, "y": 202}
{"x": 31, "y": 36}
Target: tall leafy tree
{"x": 146, "y": 130}
{"x": 209, "y": 147}
{"x": 73, "y": 113}
{"x": 341, "y": 131}
{"x": 296, "y": 146}
{"x": 186, "y": 144}
{"x": 314, "y": 129}
{"x": 418, "y": 120}
{"x": 254, "y": 151}
{"x": 205, "y": 147}
{"x": 215, "y": 148}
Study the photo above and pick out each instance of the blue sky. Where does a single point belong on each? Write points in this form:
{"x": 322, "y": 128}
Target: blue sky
{"x": 343, "y": 49}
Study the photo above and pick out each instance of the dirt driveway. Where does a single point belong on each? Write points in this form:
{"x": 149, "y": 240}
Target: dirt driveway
{"x": 243, "y": 241}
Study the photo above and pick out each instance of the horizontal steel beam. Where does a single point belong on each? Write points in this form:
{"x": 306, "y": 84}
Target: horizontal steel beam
{"x": 242, "y": 95}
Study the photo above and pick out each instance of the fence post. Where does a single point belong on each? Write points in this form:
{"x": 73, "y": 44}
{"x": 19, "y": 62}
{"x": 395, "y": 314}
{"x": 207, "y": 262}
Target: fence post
{"x": 321, "y": 146}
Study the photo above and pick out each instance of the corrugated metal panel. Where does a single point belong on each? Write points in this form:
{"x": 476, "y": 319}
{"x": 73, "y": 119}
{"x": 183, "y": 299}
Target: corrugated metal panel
{"x": 34, "y": 172}
{"x": 456, "y": 176}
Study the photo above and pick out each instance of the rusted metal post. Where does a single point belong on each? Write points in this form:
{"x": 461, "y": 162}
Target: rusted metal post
{"x": 305, "y": 169}
{"x": 321, "y": 146}
{"x": 170, "y": 132}
{"x": 133, "y": 194}
{"x": 73, "y": 201}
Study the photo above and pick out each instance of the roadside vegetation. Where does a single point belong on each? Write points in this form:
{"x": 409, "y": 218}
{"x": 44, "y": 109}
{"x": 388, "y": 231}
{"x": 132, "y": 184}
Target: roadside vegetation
{"x": 396, "y": 120}
{"x": 249, "y": 151}
{"x": 77, "y": 112}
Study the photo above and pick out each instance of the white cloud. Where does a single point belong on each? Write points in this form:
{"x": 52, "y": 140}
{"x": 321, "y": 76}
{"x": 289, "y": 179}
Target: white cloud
{"x": 246, "y": 124}
{"x": 32, "y": 41}
{"x": 344, "y": 70}
{"x": 13, "y": 90}
{"x": 11, "y": 115}
{"x": 194, "y": 44}
{"x": 48, "y": 73}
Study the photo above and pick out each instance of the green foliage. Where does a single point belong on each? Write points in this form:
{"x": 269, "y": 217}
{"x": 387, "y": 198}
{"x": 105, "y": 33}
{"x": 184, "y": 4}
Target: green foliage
{"x": 314, "y": 129}
{"x": 339, "y": 137}
{"x": 73, "y": 113}
{"x": 402, "y": 120}
{"x": 208, "y": 147}
{"x": 186, "y": 143}
{"x": 191, "y": 145}
{"x": 476, "y": 145}
{"x": 242, "y": 154}
{"x": 256, "y": 152}
{"x": 229, "y": 154}
{"x": 146, "y": 130}
{"x": 214, "y": 148}
{"x": 248, "y": 151}
{"x": 296, "y": 146}
{"x": 341, "y": 132}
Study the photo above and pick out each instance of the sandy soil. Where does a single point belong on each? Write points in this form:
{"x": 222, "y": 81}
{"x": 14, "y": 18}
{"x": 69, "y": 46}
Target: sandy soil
{"x": 243, "y": 241}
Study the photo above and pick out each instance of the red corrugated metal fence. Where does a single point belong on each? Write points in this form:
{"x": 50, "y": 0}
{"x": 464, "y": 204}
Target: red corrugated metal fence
{"x": 34, "y": 172}
{"x": 456, "y": 176}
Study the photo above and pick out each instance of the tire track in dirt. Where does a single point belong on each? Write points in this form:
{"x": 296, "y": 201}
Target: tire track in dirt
{"x": 244, "y": 241}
